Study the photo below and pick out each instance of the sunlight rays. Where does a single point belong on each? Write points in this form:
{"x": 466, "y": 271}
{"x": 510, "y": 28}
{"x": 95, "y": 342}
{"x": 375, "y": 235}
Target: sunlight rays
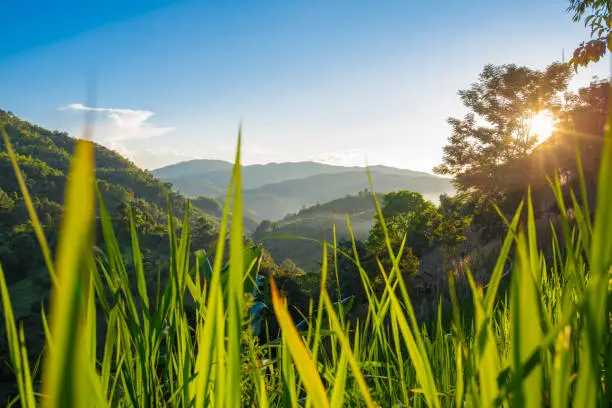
{"x": 542, "y": 125}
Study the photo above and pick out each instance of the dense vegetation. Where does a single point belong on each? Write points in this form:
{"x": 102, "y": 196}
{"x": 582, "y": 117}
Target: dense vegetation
{"x": 190, "y": 344}
{"x": 497, "y": 296}
{"x": 44, "y": 159}
{"x": 300, "y": 234}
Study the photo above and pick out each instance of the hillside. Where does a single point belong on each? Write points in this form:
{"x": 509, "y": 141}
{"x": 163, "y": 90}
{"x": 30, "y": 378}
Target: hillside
{"x": 317, "y": 222}
{"x": 44, "y": 158}
{"x": 277, "y": 189}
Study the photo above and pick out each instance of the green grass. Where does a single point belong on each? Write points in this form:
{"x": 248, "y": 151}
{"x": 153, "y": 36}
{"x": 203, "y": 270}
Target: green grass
{"x": 186, "y": 342}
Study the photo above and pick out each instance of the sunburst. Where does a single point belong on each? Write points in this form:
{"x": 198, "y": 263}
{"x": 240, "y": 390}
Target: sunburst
{"x": 542, "y": 125}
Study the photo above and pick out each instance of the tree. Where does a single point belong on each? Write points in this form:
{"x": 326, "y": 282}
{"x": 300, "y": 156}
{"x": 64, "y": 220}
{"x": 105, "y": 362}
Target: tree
{"x": 596, "y": 15}
{"x": 262, "y": 230}
{"x": 203, "y": 234}
{"x": 451, "y": 223}
{"x": 580, "y": 129}
{"x": 208, "y": 205}
{"x": 404, "y": 213}
{"x": 289, "y": 267}
{"x": 6, "y": 202}
{"x": 495, "y": 130}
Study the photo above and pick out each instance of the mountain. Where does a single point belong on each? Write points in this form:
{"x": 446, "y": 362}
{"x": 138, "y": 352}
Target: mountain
{"x": 186, "y": 175}
{"x": 274, "y": 190}
{"x": 317, "y": 223}
{"x": 192, "y": 167}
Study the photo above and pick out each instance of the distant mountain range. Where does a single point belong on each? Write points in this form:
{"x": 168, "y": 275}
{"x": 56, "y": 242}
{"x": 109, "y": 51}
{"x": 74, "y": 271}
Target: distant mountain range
{"x": 274, "y": 190}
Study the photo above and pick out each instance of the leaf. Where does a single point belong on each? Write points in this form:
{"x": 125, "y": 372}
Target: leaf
{"x": 17, "y": 351}
{"x": 306, "y": 367}
{"x": 64, "y": 383}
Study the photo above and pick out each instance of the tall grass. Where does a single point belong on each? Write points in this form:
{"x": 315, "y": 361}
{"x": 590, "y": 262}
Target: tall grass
{"x": 186, "y": 342}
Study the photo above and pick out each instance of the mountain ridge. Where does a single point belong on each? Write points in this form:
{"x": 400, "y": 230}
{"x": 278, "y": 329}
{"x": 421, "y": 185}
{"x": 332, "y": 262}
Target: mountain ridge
{"x": 274, "y": 190}
{"x": 194, "y": 167}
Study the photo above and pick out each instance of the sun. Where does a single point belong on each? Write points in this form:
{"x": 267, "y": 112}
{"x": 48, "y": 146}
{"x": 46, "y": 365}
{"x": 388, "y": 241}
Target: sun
{"x": 542, "y": 125}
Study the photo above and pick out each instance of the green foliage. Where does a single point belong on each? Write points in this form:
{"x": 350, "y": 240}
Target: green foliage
{"x": 597, "y": 16}
{"x": 204, "y": 233}
{"x": 313, "y": 225}
{"x": 188, "y": 341}
{"x": 579, "y": 129}
{"x": 208, "y": 205}
{"x": 6, "y": 202}
{"x": 43, "y": 157}
{"x": 451, "y": 222}
{"x": 495, "y": 130}
{"x": 407, "y": 215}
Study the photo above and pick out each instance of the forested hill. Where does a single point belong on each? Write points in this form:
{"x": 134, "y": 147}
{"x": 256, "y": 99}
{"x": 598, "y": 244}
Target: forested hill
{"x": 44, "y": 158}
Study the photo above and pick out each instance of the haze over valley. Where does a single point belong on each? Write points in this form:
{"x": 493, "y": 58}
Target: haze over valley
{"x": 274, "y": 190}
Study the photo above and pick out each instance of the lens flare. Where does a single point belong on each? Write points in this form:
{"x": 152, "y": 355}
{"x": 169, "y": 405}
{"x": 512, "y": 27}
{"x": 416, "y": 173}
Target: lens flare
{"x": 542, "y": 125}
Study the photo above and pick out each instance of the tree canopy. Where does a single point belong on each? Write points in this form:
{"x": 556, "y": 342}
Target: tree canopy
{"x": 405, "y": 213}
{"x": 496, "y": 129}
{"x": 596, "y": 15}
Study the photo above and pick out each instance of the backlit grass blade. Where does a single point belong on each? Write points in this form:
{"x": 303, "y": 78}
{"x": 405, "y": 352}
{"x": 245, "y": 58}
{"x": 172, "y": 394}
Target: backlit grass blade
{"x": 63, "y": 385}
{"x": 236, "y": 295}
{"x": 583, "y": 191}
{"x": 258, "y": 377}
{"x": 319, "y": 317}
{"x": 416, "y": 350}
{"x": 28, "y": 393}
{"x": 304, "y": 364}
{"x": 346, "y": 348}
{"x": 138, "y": 266}
{"x": 17, "y": 352}
{"x": 597, "y": 328}
{"x": 560, "y": 388}
{"x": 486, "y": 353}
{"x": 211, "y": 336}
{"x": 527, "y": 332}
{"x": 498, "y": 270}
{"x": 460, "y": 387}
{"x": 337, "y": 396}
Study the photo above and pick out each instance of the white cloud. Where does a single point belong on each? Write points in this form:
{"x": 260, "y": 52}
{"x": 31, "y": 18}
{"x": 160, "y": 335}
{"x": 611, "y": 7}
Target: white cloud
{"x": 352, "y": 157}
{"x": 155, "y": 156}
{"x": 118, "y": 126}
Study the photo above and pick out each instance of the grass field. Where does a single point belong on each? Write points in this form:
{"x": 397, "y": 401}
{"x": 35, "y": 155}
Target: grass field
{"x": 544, "y": 342}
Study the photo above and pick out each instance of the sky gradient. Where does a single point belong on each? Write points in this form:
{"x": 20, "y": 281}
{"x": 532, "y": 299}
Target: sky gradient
{"x": 332, "y": 81}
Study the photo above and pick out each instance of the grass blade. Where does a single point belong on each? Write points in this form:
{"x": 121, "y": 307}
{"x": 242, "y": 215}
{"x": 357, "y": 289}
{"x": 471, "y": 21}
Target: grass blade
{"x": 306, "y": 367}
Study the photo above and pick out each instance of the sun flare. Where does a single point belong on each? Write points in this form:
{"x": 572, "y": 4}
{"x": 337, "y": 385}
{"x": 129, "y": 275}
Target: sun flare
{"x": 542, "y": 125}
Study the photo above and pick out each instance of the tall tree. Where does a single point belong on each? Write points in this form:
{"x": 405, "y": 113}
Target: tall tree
{"x": 596, "y": 15}
{"x": 451, "y": 222}
{"x": 496, "y": 128}
{"x": 405, "y": 213}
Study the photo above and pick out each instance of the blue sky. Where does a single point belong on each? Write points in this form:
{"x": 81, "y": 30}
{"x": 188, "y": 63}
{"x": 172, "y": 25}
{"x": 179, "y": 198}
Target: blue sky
{"x": 332, "y": 81}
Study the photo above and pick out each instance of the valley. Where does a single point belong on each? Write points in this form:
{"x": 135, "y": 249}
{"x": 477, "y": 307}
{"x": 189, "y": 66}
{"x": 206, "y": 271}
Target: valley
{"x": 275, "y": 190}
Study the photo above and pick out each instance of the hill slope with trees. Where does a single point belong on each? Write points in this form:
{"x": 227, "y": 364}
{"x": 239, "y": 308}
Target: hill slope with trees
{"x": 316, "y": 223}
{"x": 44, "y": 157}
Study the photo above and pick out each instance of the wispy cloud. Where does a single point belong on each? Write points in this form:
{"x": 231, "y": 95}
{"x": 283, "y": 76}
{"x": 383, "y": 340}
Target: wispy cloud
{"x": 117, "y": 126}
{"x": 352, "y": 157}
